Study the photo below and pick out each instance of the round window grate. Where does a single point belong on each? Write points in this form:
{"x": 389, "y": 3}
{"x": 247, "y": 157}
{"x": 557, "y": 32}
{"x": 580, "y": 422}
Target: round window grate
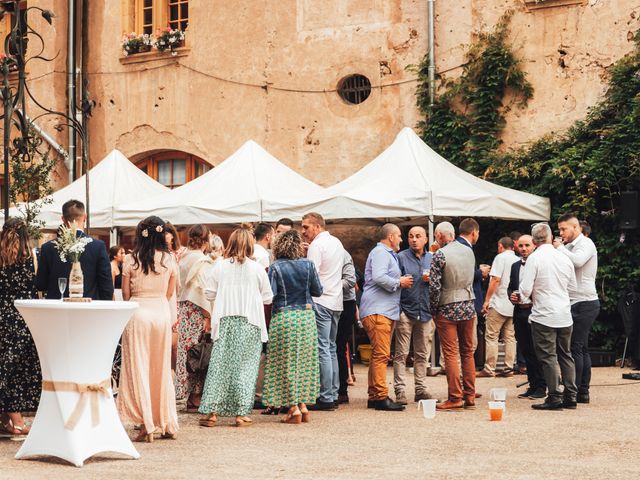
{"x": 354, "y": 89}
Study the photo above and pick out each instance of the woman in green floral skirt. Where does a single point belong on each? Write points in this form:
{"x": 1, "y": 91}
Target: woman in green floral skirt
{"x": 240, "y": 287}
{"x": 292, "y": 376}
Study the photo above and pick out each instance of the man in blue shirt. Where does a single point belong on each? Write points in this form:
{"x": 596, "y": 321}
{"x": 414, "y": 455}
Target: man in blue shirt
{"x": 415, "y": 318}
{"x": 380, "y": 309}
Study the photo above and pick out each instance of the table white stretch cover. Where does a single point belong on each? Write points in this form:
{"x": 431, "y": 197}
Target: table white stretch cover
{"x": 76, "y": 343}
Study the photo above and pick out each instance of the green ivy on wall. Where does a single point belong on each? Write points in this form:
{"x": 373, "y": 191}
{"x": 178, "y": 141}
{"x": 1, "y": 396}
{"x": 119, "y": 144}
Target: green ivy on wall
{"x": 468, "y": 115}
{"x": 582, "y": 170}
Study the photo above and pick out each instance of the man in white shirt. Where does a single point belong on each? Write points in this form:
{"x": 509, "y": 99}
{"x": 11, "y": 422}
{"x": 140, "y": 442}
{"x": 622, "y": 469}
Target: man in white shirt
{"x": 585, "y": 305}
{"x": 547, "y": 280}
{"x": 499, "y": 312}
{"x": 327, "y": 253}
{"x": 264, "y": 234}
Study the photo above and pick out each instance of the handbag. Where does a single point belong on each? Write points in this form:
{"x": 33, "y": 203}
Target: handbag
{"x": 199, "y": 355}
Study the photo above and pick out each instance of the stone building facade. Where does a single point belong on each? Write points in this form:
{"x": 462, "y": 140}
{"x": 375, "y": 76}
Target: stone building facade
{"x": 270, "y": 71}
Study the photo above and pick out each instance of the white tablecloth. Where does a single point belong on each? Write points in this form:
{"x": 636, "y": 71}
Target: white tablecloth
{"x": 76, "y": 343}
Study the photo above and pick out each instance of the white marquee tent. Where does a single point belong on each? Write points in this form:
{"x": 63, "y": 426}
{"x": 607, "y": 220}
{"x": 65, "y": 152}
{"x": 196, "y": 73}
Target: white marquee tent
{"x": 112, "y": 182}
{"x": 409, "y": 179}
{"x": 251, "y": 185}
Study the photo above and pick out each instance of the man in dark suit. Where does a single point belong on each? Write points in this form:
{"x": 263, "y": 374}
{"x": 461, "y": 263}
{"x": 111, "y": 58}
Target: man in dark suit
{"x": 537, "y": 385}
{"x": 96, "y": 268}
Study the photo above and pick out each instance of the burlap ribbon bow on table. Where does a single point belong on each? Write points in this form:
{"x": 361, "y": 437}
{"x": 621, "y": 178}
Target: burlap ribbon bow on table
{"x": 84, "y": 389}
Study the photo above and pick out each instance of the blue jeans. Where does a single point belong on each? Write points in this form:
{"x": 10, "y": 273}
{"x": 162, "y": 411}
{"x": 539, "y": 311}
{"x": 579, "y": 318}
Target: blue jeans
{"x": 327, "y": 322}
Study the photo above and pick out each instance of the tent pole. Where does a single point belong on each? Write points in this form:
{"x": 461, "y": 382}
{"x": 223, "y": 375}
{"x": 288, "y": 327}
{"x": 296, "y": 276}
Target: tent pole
{"x": 113, "y": 237}
{"x": 433, "y": 342}
{"x": 430, "y": 224}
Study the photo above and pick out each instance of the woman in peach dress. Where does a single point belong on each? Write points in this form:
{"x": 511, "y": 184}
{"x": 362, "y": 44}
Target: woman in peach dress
{"x": 146, "y": 395}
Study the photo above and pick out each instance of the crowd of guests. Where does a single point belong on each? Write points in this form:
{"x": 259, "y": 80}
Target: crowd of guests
{"x": 295, "y": 292}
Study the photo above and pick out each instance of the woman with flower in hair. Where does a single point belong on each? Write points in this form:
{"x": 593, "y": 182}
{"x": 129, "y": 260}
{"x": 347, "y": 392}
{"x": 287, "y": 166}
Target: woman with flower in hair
{"x": 146, "y": 394}
{"x": 20, "y": 378}
{"x": 240, "y": 287}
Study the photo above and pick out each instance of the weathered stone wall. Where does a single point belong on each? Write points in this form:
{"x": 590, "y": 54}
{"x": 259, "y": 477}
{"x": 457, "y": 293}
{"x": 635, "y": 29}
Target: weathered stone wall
{"x": 270, "y": 74}
{"x": 263, "y": 74}
{"x": 566, "y": 50}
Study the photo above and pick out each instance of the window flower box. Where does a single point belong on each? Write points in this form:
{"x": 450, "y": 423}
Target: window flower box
{"x": 133, "y": 43}
{"x": 168, "y": 39}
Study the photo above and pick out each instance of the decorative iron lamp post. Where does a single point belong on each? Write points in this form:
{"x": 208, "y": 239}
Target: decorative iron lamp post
{"x": 14, "y": 96}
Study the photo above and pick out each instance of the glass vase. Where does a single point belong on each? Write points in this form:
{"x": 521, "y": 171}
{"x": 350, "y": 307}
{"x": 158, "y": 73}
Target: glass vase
{"x": 76, "y": 281}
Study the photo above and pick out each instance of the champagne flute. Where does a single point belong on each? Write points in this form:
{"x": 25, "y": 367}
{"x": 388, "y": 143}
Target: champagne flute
{"x": 62, "y": 286}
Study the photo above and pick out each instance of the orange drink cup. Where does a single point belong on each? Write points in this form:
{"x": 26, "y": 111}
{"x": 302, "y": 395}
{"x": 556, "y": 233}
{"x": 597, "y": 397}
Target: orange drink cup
{"x": 496, "y": 409}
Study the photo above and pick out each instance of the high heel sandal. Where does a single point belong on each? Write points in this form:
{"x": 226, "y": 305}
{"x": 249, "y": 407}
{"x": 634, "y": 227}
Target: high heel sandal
{"x": 270, "y": 411}
{"x": 293, "y": 418}
{"x": 192, "y": 407}
{"x": 143, "y": 436}
{"x": 243, "y": 422}
{"x": 305, "y": 415}
{"x": 208, "y": 421}
{"x": 13, "y": 431}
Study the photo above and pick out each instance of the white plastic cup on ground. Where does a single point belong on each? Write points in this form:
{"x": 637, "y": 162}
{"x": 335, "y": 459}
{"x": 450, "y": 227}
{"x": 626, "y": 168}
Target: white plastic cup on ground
{"x": 498, "y": 394}
{"x": 428, "y": 407}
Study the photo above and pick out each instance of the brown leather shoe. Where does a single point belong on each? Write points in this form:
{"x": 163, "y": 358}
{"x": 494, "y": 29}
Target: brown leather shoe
{"x": 484, "y": 374}
{"x": 450, "y": 405}
{"x": 423, "y": 396}
{"x": 507, "y": 372}
{"x": 470, "y": 404}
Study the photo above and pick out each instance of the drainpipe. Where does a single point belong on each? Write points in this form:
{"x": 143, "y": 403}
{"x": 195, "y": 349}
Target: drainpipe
{"x": 84, "y": 80}
{"x": 49, "y": 139}
{"x": 46, "y": 137}
{"x": 432, "y": 58}
{"x": 71, "y": 84}
{"x": 432, "y": 94}
{"x": 83, "y": 115}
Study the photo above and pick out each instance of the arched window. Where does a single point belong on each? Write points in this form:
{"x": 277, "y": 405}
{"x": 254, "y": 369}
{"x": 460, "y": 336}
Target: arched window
{"x": 172, "y": 168}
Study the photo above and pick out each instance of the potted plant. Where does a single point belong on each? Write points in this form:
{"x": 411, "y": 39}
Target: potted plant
{"x": 133, "y": 43}
{"x": 169, "y": 39}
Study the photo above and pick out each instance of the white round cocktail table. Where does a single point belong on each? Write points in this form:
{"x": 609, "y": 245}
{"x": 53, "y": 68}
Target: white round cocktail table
{"x": 76, "y": 342}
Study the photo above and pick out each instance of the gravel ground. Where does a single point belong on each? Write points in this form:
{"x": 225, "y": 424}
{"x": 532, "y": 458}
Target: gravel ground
{"x": 596, "y": 441}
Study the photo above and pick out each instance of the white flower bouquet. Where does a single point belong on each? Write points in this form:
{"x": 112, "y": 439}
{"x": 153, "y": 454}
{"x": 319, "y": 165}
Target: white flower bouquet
{"x": 68, "y": 245}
